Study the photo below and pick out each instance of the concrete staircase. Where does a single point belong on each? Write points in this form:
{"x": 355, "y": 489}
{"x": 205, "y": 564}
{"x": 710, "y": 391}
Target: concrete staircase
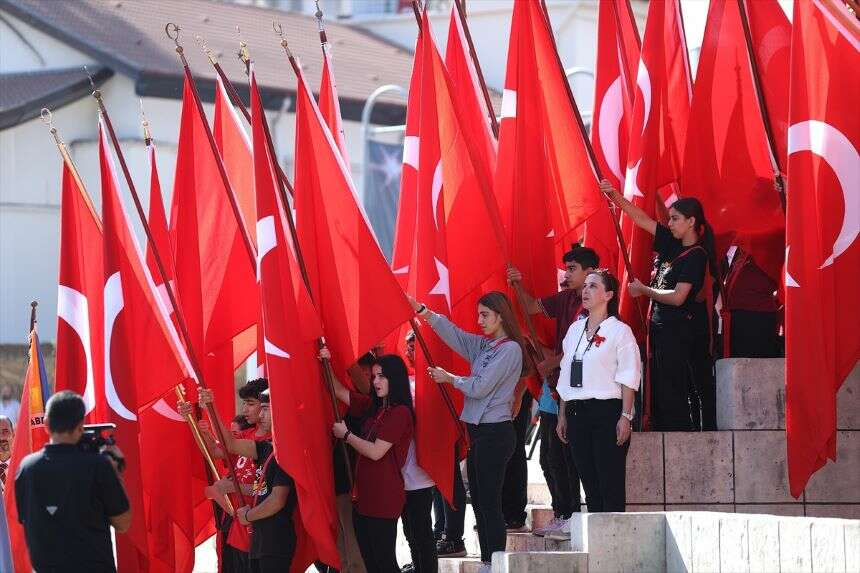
{"x": 690, "y": 496}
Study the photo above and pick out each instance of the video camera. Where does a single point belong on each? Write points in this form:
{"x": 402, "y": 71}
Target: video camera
{"x": 94, "y": 439}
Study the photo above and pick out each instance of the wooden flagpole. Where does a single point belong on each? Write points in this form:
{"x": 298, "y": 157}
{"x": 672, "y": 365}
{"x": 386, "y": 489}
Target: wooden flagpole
{"x": 762, "y": 104}
{"x": 159, "y": 263}
{"x": 234, "y": 96}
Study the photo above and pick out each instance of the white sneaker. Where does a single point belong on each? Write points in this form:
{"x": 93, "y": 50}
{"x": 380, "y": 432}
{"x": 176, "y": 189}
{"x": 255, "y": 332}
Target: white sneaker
{"x": 554, "y": 524}
{"x": 561, "y": 533}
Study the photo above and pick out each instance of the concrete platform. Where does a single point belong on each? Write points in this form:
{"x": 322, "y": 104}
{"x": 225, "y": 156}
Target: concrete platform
{"x": 690, "y": 541}
{"x": 546, "y": 562}
{"x": 751, "y": 395}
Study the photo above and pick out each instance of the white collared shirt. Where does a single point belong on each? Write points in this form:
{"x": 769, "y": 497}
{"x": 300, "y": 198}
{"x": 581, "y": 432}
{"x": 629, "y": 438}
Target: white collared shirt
{"x": 611, "y": 361}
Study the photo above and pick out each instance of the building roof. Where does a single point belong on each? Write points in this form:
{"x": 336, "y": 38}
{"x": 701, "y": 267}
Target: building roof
{"x": 24, "y": 94}
{"x": 128, "y": 37}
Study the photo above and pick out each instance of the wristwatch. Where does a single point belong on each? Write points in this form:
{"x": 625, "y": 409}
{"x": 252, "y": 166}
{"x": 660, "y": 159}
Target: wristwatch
{"x": 628, "y": 415}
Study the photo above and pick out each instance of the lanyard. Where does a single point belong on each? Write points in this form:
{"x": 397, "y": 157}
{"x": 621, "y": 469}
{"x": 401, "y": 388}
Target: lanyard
{"x": 590, "y": 341}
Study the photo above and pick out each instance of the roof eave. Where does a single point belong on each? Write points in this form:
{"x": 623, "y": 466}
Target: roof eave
{"x": 53, "y": 100}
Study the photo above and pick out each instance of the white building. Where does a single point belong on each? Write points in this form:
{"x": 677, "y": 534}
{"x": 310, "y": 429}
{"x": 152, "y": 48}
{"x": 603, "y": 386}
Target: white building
{"x": 44, "y": 44}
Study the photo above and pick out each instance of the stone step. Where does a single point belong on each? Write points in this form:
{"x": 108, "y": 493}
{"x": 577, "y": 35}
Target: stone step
{"x": 460, "y": 565}
{"x": 541, "y": 562}
{"x": 538, "y": 494}
{"x": 541, "y": 515}
{"x": 528, "y": 542}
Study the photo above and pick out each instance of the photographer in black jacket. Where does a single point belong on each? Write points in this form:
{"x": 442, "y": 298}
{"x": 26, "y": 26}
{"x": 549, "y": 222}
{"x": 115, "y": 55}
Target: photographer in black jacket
{"x": 67, "y": 498}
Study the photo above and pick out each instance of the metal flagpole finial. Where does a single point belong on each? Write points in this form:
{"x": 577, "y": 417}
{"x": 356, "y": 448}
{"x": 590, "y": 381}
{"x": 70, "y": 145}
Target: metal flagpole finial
{"x": 206, "y": 50}
{"x": 243, "y": 53}
{"x": 320, "y": 26}
{"x": 147, "y": 134}
{"x": 48, "y": 119}
{"x": 96, "y": 93}
{"x": 279, "y": 30}
{"x": 172, "y": 31}
{"x": 33, "y": 320}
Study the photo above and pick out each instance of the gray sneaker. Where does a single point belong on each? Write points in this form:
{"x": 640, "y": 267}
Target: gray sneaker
{"x": 554, "y": 524}
{"x": 561, "y": 533}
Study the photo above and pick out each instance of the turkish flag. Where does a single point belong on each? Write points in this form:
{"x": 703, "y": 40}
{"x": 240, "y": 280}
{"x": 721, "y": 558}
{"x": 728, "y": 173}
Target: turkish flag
{"x": 301, "y": 411}
{"x": 30, "y": 436}
{"x": 329, "y": 104}
{"x": 166, "y": 445}
{"x": 234, "y": 145}
{"x": 466, "y": 85}
{"x": 356, "y": 294}
{"x": 660, "y": 115}
{"x": 213, "y": 255}
{"x": 80, "y": 315}
{"x": 727, "y": 162}
{"x": 545, "y": 183}
{"x": 770, "y": 31}
{"x": 455, "y": 207}
{"x": 165, "y": 439}
{"x": 823, "y": 220}
{"x": 157, "y": 220}
{"x": 143, "y": 355}
{"x": 618, "y": 48}
{"x": 404, "y": 228}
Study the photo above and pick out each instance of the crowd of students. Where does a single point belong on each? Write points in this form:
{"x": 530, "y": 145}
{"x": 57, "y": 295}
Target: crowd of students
{"x": 586, "y": 409}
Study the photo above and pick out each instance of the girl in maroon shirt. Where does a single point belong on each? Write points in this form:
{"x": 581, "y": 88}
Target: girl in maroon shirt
{"x": 383, "y": 443}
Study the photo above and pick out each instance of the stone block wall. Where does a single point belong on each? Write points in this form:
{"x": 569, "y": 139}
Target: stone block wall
{"x": 742, "y": 468}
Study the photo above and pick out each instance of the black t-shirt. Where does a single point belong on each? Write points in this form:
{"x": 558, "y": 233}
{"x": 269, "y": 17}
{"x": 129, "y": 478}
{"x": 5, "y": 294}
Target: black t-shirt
{"x": 65, "y": 497}
{"x": 675, "y": 264}
{"x": 274, "y": 535}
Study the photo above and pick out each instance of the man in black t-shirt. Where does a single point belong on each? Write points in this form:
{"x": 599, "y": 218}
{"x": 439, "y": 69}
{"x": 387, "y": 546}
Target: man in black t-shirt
{"x": 270, "y": 515}
{"x": 67, "y": 499}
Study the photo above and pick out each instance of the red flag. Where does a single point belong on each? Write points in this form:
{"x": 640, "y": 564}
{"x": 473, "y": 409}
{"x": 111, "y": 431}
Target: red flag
{"x": 301, "y": 416}
{"x": 157, "y": 221}
{"x": 143, "y": 355}
{"x": 80, "y": 342}
{"x": 30, "y": 436}
{"x": 727, "y": 164}
{"x": 165, "y": 440}
{"x": 451, "y": 209}
{"x": 356, "y": 294}
{"x": 234, "y": 145}
{"x": 614, "y": 93}
{"x": 166, "y": 444}
{"x": 544, "y": 180}
{"x": 771, "y": 39}
{"x": 329, "y": 104}
{"x": 823, "y": 219}
{"x": 404, "y": 232}
{"x": 659, "y": 127}
{"x": 215, "y": 274}
{"x": 475, "y": 116}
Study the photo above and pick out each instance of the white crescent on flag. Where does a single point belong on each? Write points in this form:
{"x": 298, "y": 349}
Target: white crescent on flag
{"x": 113, "y": 306}
{"x": 840, "y": 154}
{"x": 73, "y": 308}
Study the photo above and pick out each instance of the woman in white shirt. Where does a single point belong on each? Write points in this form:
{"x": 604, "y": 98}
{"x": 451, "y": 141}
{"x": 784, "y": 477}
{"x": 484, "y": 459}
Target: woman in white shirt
{"x": 600, "y": 374}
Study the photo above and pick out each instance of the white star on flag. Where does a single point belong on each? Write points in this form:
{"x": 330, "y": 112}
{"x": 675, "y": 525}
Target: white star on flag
{"x": 442, "y": 286}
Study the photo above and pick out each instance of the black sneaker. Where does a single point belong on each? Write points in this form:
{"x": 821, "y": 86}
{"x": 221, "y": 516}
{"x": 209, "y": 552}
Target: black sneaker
{"x": 516, "y": 526}
{"x": 408, "y": 568}
{"x": 448, "y": 548}
{"x": 438, "y": 536}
